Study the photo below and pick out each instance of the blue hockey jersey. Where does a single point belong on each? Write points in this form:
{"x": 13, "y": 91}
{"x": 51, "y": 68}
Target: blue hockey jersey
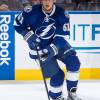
{"x": 45, "y": 26}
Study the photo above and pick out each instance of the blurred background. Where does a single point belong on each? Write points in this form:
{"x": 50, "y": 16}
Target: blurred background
{"x": 73, "y": 5}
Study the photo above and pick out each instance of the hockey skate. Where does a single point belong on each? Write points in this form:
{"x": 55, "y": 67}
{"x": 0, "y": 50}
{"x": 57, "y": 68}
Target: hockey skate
{"x": 59, "y": 98}
{"x": 72, "y": 96}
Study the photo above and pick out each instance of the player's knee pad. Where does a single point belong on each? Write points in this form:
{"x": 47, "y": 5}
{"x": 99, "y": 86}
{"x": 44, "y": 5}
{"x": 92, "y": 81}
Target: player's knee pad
{"x": 57, "y": 79}
{"x": 72, "y": 63}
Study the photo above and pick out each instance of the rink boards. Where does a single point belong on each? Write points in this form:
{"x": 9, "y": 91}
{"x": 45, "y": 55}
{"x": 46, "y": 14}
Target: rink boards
{"x": 15, "y": 63}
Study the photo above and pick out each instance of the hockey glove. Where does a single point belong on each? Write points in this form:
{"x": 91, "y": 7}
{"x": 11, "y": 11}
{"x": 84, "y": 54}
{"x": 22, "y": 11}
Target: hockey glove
{"x": 33, "y": 54}
{"x": 48, "y": 53}
{"x": 32, "y": 39}
{"x": 43, "y": 56}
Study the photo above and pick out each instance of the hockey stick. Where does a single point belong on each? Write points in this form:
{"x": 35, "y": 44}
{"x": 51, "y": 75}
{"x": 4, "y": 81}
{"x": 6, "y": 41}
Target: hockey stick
{"x": 40, "y": 63}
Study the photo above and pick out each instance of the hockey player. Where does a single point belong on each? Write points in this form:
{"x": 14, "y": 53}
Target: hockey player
{"x": 43, "y": 27}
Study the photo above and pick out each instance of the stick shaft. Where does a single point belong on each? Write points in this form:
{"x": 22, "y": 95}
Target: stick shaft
{"x": 40, "y": 63}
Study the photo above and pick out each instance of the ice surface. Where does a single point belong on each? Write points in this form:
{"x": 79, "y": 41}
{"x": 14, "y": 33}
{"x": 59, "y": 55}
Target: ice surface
{"x": 19, "y": 90}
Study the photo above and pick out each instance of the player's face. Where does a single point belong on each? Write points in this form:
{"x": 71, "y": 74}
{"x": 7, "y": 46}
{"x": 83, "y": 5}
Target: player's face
{"x": 48, "y": 4}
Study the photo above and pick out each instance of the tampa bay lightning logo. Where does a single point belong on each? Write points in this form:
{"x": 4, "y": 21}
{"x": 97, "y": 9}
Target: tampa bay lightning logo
{"x": 47, "y": 30}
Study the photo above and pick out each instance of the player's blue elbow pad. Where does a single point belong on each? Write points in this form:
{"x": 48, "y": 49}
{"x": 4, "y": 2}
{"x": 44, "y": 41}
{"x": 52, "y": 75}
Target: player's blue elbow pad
{"x": 20, "y": 30}
{"x": 61, "y": 32}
